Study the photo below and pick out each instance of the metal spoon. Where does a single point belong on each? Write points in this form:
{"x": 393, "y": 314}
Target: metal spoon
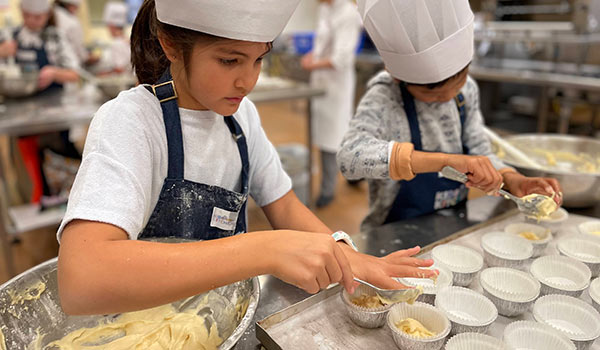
{"x": 529, "y": 207}
{"x": 393, "y": 296}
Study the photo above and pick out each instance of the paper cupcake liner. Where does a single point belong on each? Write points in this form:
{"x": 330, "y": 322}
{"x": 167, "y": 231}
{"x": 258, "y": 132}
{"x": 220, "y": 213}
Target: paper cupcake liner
{"x": 457, "y": 259}
{"x": 573, "y": 317}
{"x": 583, "y": 248}
{"x": 475, "y": 341}
{"x": 590, "y": 228}
{"x": 430, "y": 287}
{"x": 510, "y": 284}
{"x": 561, "y": 275}
{"x": 595, "y": 293}
{"x": 506, "y": 246}
{"x": 362, "y": 316}
{"x": 432, "y": 318}
{"x": 468, "y": 310}
{"x": 543, "y": 232}
{"x": 535, "y": 336}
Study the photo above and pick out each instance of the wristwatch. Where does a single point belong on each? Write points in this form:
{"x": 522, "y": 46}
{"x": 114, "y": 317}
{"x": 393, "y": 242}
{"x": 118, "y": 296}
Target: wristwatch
{"x": 343, "y": 236}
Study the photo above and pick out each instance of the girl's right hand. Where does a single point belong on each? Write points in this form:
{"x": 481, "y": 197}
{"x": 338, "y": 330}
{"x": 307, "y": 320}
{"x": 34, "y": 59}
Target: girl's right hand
{"x": 308, "y": 260}
{"x": 479, "y": 170}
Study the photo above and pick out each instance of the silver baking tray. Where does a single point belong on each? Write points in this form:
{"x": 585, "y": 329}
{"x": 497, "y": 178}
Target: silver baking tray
{"x": 320, "y": 322}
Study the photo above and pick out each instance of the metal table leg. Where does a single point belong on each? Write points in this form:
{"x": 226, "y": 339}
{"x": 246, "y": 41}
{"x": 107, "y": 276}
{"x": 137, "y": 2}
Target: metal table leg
{"x": 542, "y": 124}
{"x": 4, "y": 237}
{"x": 310, "y": 153}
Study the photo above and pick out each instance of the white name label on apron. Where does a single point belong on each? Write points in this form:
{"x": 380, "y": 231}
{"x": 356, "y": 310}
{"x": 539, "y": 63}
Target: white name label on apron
{"x": 223, "y": 219}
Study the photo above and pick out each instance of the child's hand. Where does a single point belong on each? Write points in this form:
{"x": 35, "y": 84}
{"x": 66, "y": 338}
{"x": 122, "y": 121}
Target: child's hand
{"x": 379, "y": 271}
{"x": 479, "y": 170}
{"x": 308, "y": 260}
{"x": 520, "y": 186}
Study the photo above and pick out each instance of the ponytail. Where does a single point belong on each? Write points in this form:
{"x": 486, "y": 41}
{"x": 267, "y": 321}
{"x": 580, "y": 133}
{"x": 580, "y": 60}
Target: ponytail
{"x": 147, "y": 56}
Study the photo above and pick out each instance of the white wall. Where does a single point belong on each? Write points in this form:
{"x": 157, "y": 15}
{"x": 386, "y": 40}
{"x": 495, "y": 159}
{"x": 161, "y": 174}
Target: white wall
{"x": 304, "y": 18}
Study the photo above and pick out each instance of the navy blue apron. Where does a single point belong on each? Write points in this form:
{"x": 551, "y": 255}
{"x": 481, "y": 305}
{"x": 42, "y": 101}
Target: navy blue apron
{"x": 427, "y": 192}
{"x": 29, "y": 57}
{"x": 187, "y": 209}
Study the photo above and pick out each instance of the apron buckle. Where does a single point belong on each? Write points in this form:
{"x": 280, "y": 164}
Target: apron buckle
{"x": 172, "y": 84}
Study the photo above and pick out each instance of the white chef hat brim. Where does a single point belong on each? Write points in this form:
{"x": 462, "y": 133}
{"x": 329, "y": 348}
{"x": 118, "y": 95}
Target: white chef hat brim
{"x": 251, "y": 20}
{"x": 434, "y": 63}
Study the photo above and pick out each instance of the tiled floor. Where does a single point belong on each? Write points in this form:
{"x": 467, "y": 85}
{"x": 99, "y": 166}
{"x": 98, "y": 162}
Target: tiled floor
{"x": 283, "y": 122}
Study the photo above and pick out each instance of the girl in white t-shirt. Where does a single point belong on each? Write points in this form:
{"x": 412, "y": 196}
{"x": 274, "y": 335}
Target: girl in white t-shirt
{"x": 197, "y": 61}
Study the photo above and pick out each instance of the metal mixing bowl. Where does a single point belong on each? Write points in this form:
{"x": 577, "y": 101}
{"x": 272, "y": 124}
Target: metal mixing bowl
{"x": 25, "y": 85}
{"x": 21, "y": 323}
{"x": 112, "y": 85}
{"x": 579, "y": 189}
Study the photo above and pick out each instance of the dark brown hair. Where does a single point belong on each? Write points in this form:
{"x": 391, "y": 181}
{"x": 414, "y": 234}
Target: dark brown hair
{"x": 432, "y": 86}
{"x": 147, "y": 56}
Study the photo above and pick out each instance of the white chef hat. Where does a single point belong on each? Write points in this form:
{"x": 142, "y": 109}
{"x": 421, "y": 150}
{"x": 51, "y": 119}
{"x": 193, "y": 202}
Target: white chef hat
{"x": 115, "y": 13}
{"x": 420, "y": 41}
{"x": 249, "y": 20}
{"x": 35, "y": 6}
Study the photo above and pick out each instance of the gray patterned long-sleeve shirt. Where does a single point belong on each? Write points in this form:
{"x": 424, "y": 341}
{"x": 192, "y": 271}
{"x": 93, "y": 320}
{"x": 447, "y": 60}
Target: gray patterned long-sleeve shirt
{"x": 380, "y": 121}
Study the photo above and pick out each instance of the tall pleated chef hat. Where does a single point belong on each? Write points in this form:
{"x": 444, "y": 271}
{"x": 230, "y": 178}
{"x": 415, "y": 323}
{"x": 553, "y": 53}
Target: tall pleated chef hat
{"x": 420, "y": 41}
{"x": 35, "y": 6}
{"x": 115, "y": 13}
{"x": 249, "y": 20}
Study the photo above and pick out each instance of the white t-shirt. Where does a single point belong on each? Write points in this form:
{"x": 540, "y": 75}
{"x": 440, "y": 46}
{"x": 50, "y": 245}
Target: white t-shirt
{"x": 125, "y": 160}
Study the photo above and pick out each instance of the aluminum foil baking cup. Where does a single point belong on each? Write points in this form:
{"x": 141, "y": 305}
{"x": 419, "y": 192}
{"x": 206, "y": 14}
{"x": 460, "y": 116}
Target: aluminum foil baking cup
{"x": 584, "y": 248}
{"x": 475, "y": 341}
{"x": 430, "y": 287}
{"x": 578, "y": 320}
{"x": 561, "y": 275}
{"x": 464, "y": 262}
{"x": 595, "y": 293}
{"x": 512, "y": 291}
{"x": 433, "y": 319}
{"x": 362, "y": 316}
{"x": 590, "y": 228}
{"x": 535, "y": 336}
{"x": 505, "y": 250}
{"x": 467, "y": 310}
{"x": 543, "y": 233}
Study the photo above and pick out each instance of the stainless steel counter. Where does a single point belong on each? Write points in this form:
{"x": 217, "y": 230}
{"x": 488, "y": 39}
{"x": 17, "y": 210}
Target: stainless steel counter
{"x": 276, "y": 295}
{"x": 48, "y": 111}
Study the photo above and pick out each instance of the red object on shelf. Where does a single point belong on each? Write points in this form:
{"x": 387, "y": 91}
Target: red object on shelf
{"x": 28, "y": 146}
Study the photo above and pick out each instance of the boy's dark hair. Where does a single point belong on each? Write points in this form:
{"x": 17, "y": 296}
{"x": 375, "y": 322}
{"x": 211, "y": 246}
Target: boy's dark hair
{"x": 147, "y": 56}
{"x": 432, "y": 86}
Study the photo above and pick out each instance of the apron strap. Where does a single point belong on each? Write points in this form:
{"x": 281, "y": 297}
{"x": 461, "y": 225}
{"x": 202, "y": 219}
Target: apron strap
{"x": 411, "y": 115}
{"x": 238, "y": 135}
{"x": 164, "y": 90}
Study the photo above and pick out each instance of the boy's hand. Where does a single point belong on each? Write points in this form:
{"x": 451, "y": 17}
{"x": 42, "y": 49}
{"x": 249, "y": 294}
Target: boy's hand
{"x": 479, "y": 170}
{"x": 308, "y": 260}
{"x": 520, "y": 186}
{"x": 379, "y": 271}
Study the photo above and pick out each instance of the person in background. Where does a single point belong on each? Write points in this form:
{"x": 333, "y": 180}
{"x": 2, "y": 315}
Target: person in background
{"x": 178, "y": 156}
{"x": 67, "y": 21}
{"x": 39, "y": 45}
{"x": 117, "y": 57}
{"x": 331, "y": 63}
{"x": 421, "y": 114}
